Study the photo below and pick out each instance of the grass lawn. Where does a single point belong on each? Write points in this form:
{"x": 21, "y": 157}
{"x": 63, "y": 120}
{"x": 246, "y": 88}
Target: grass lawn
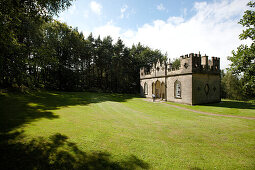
{"x": 78, "y": 130}
{"x": 226, "y": 107}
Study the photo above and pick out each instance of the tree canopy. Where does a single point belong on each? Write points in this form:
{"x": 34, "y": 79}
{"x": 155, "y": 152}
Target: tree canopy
{"x": 39, "y": 52}
{"x": 21, "y": 35}
{"x": 243, "y": 60}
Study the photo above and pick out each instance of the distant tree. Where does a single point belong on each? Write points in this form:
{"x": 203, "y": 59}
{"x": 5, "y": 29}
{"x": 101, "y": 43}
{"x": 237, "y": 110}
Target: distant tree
{"x": 176, "y": 63}
{"x": 231, "y": 86}
{"x": 243, "y": 60}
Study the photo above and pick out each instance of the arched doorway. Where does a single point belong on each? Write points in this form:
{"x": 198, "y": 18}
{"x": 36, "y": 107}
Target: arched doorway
{"x": 162, "y": 90}
{"x": 157, "y": 89}
{"x": 153, "y": 88}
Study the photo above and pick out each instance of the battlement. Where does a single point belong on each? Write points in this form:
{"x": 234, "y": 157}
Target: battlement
{"x": 197, "y": 63}
{"x": 189, "y": 63}
{"x": 157, "y": 69}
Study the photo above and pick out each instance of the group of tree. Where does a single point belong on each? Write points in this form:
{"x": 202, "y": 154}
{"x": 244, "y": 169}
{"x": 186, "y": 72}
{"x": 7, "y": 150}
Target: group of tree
{"x": 39, "y": 52}
{"x": 239, "y": 81}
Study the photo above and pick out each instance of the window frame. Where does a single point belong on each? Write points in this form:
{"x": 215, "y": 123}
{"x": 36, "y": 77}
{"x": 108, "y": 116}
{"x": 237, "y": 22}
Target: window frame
{"x": 145, "y": 90}
{"x": 177, "y": 84}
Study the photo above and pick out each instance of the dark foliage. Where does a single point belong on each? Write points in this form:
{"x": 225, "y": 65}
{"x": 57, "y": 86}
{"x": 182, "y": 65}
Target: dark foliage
{"x": 38, "y": 52}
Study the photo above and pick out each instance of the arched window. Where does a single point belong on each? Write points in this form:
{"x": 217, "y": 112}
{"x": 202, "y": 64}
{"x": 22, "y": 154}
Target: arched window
{"x": 177, "y": 89}
{"x": 145, "y": 88}
{"x": 162, "y": 91}
{"x": 153, "y": 88}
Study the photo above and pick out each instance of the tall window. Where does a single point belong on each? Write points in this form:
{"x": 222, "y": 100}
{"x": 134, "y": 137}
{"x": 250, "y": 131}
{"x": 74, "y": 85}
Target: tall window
{"x": 177, "y": 89}
{"x": 153, "y": 88}
{"x": 145, "y": 88}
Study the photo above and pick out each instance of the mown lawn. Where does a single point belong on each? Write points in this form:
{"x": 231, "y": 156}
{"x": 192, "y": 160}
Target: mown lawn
{"x": 226, "y": 107}
{"x": 78, "y": 130}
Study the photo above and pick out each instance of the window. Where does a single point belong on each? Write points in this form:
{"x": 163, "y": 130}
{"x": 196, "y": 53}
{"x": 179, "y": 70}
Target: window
{"x": 177, "y": 89}
{"x": 153, "y": 88}
{"x": 145, "y": 88}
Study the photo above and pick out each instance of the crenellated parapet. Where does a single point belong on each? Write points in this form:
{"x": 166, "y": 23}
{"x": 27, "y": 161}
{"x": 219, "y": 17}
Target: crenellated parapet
{"x": 195, "y": 63}
{"x": 157, "y": 70}
{"x": 189, "y": 63}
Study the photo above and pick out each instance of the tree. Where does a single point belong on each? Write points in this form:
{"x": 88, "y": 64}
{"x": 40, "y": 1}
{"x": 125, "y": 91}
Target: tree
{"x": 39, "y": 52}
{"x": 176, "y": 63}
{"x": 20, "y": 25}
{"x": 243, "y": 60}
{"x": 231, "y": 86}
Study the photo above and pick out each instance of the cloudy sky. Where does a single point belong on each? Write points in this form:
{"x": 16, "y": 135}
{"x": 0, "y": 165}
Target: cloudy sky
{"x": 175, "y": 27}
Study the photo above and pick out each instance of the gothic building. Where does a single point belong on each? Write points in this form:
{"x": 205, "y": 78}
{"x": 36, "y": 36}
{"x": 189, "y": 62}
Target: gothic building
{"x": 197, "y": 81}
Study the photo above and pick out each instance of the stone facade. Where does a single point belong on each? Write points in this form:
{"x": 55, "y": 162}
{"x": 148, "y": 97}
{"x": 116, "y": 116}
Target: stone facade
{"x": 197, "y": 81}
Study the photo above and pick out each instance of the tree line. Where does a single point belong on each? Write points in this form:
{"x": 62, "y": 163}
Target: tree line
{"x": 39, "y": 52}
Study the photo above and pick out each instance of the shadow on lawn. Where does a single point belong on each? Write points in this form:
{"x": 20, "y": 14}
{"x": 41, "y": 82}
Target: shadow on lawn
{"x": 19, "y": 109}
{"x": 233, "y": 104}
{"x": 57, "y": 153}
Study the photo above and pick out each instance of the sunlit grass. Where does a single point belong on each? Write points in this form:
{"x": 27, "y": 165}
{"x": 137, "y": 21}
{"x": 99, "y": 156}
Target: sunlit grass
{"x": 125, "y": 125}
{"x": 227, "y": 107}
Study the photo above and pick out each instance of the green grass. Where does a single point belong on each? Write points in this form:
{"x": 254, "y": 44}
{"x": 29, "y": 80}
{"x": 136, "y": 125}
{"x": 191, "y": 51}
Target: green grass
{"x": 76, "y": 130}
{"x": 226, "y": 107}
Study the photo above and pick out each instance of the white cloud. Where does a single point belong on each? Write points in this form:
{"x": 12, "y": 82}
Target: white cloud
{"x": 123, "y": 10}
{"x": 86, "y": 14}
{"x": 108, "y": 29}
{"x": 160, "y": 7}
{"x": 128, "y": 34}
{"x": 72, "y": 9}
{"x": 95, "y": 7}
{"x": 213, "y": 30}
{"x": 175, "y": 20}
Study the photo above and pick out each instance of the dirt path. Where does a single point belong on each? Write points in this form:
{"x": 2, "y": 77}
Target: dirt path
{"x": 201, "y": 112}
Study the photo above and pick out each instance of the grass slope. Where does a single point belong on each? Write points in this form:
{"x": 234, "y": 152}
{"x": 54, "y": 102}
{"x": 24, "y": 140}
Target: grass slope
{"x": 60, "y": 130}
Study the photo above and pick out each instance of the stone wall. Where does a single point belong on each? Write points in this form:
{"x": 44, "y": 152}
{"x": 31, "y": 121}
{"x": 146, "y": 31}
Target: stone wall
{"x": 199, "y": 78}
{"x": 186, "y": 89}
{"x": 206, "y": 88}
{"x": 149, "y": 83}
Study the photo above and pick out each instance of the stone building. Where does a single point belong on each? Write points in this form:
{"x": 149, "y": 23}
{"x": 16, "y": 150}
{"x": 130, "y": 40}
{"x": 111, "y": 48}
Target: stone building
{"x": 197, "y": 81}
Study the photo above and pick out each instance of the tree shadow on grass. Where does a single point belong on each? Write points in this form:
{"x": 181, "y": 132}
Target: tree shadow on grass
{"x": 233, "y": 104}
{"x": 57, "y": 153}
{"x": 19, "y": 109}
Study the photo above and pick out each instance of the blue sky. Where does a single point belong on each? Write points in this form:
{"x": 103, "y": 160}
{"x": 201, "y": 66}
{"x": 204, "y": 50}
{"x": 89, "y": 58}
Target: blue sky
{"x": 129, "y": 14}
{"x": 176, "y": 27}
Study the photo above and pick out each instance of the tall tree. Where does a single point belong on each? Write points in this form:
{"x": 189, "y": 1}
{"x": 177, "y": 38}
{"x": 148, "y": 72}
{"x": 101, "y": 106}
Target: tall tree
{"x": 20, "y": 23}
{"x": 243, "y": 60}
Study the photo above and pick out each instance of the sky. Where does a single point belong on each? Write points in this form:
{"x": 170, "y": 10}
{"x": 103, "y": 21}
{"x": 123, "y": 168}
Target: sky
{"x": 176, "y": 27}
